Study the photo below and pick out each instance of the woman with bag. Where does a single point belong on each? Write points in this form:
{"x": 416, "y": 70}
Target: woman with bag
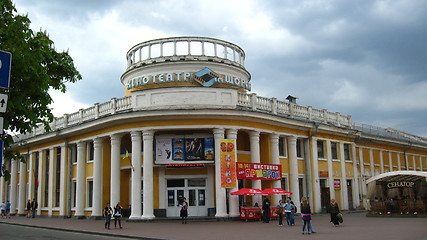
{"x": 279, "y": 211}
{"x": 306, "y": 216}
{"x": 334, "y": 211}
{"x": 288, "y": 211}
{"x": 118, "y": 215}
{"x": 184, "y": 211}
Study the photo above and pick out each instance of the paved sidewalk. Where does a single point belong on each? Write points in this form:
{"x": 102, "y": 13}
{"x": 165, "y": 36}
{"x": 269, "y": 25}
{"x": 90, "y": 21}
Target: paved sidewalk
{"x": 356, "y": 226}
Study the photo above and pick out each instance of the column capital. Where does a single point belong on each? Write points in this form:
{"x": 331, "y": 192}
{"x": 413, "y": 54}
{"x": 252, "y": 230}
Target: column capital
{"x": 254, "y": 133}
{"x": 98, "y": 141}
{"x": 116, "y": 137}
{"x": 274, "y": 137}
{"x": 148, "y": 134}
{"x": 81, "y": 144}
{"x": 292, "y": 138}
{"x": 218, "y": 131}
{"x": 231, "y": 133}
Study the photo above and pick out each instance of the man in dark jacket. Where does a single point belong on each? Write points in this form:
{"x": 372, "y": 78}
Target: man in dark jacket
{"x": 266, "y": 210}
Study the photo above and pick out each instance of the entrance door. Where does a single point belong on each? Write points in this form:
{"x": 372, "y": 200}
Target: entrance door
{"x": 325, "y": 195}
{"x": 194, "y": 190}
{"x": 350, "y": 195}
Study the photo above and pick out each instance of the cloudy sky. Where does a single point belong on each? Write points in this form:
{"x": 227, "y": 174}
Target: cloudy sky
{"x": 362, "y": 58}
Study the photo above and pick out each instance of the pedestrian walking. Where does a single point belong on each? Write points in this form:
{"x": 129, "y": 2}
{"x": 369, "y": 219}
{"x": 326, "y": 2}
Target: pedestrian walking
{"x": 3, "y": 210}
{"x": 279, "y": 210}
{"x": 118, "y": 215}
{"x": 294, "y": 210}
{"x": 334, "y": 210}
{"x": 8, "y": 209}
{"x": 310, "y": 224}
{"x": 306, "y": 216}
{"x": 28, "y": 208}
{"x": 108, "y": 212}
{"x": 266, "y": 210}
{"x": 34, "y": 206}
{"x": 289, "y": 207}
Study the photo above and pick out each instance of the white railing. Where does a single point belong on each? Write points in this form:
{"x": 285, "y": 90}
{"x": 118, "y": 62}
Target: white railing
{"x": 185, "y": 48}
{"x": 244, "y": 100}
{"x": 274, "y": 106}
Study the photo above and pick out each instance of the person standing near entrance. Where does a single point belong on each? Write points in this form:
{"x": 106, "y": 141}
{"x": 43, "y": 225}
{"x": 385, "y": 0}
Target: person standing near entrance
{"x": 289, "y": 207}
{"x": 108, "y": 212}
{"x": 334, "y": 210}
{"x": 266, "y": 210}
{"x": 29, "y": 208}
{"x": 3, "y": 210}
{"x": 184, "y": 211}
{"x": 280, "y": 212}
{"x": 34, "y": 206}
{"x": 8, "y": 208}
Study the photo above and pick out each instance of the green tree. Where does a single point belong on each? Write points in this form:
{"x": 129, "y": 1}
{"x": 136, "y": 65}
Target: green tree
{"x": 36, "y": 67}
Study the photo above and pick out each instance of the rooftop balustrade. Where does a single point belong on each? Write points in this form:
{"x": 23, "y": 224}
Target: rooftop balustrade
{"x": 185, "y": 48}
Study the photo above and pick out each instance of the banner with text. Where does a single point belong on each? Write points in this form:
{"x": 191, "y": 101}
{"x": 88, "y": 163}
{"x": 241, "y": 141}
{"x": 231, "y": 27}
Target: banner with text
{"x": 228, "y": 163}
{"x": 259, "y": 171}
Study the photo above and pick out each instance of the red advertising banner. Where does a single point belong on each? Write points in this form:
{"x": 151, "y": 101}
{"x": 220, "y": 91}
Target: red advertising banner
{"x": 228, "y": 163}
{"x": 259, "y": 171}
{"x": 337, "y": 184}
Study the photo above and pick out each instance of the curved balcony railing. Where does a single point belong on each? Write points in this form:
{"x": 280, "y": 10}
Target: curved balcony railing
{"x": 244, "y": 101}
{"x": 185, "y": 48}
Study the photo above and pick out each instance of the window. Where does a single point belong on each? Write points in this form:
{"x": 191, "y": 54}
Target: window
{"x": 176, "y": 183}
{"x": 73, "y": 192}
{"x": 282, "y": 147}
{"x": 57, "y": 176}
{"x": 300, "y": 150}
{"x": 284, "y": 186}
{"x": 46, "y": 179}
{"x": 90, "y": 152}
{"x": 334, "y": 150}
{"x": 301, "y": 187}
{"x": 89, "y": 193}
{"x": 347, "y": 152}
{"x": 320, "y": 149}
{"x": 73, "y": 150}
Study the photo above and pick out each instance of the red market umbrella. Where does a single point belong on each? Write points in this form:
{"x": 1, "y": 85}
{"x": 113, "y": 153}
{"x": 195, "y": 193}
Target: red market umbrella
{"x": 278, "y": 191}
{"x": 247, "y": 192}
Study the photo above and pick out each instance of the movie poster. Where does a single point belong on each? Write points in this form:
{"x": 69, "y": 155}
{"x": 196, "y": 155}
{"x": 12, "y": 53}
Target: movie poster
{"x": 194, "y": 149}
{"x": 178, "y": 149}
{"x": 228, "y": 163}
{"x": 163, "y": 150}
{"x": 209, "y": 149}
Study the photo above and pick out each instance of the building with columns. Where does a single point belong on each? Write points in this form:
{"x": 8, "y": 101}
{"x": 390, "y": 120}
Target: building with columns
{"x": 161, "y": 142}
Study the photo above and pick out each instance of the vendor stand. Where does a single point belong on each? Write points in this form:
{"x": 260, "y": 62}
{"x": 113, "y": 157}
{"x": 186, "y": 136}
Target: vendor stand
{"x": 247, "y": 213}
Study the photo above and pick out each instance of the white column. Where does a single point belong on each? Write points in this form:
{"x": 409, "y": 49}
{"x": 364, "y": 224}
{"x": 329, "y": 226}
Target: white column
{"x": 148, "y": 211}
{"x": 399, "y": 165}
{"x": 115, "y": 169}
{"x": 371, "y": 160}
{"x": 97, "y": 177}
{"x": 13, "y": 185}
{"x": 316, "y": 181}
{"x": 330, "y": 169}
{"x": 40, "y": 181}
{"x": 344, "y": 193}
{"x": 63, "y": 181}
{"x": 22, "y": 186}
{"x": 362, "y": 171}
{"x": 356, "y": 200}
{"x": 80, "y": 182}
{"x": 233, "y": 200}
{"x": 136, "y": 175}
{"x": 255, "y": 158}
{"x": 390, "y": 160}
{"x": 50, "y": 181}
{"x": 274, "y": 150}
{"x": 30, "y": 177}
{"x": 308, "y": 172}
{"x": 221, "y": 204}
{"x": 421, "y": 164}
{"x": 293, "y": 170}
{"x": 381, "y": 161}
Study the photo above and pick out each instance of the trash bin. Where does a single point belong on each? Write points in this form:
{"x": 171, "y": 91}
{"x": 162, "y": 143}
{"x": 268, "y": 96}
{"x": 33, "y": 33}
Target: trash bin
{"x": 211, "y": 212}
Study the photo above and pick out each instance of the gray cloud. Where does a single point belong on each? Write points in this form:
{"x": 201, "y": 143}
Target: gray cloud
{"x": 363, "y": 58}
